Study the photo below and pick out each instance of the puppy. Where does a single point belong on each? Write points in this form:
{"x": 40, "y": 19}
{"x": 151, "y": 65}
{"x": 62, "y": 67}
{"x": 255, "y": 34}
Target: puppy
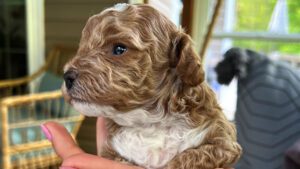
{"x": 237, "y": 62}
{"x": 135, "y": 68}
{"x": 267, "y": 112}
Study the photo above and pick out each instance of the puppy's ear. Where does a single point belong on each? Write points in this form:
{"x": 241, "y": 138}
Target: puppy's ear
{"x": 225, "y": 71}
{"x": 186, "y": 61}
{"x": 235, "y": 63}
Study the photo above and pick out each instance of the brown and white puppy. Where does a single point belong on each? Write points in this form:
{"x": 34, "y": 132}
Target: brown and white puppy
{"x": 134, "y": 67}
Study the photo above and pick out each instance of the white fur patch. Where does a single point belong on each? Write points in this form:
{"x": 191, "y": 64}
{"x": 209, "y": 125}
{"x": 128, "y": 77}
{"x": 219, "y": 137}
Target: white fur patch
{"x": 131, "y": 118}
{"x": 154, "y": 146}
{"x": 148, "y": 139}
{"x": 120, "y": 7}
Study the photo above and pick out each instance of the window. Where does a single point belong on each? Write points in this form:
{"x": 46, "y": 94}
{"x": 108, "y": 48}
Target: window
{"x": 12, "y": 39}
{"x": 271, "y": 27}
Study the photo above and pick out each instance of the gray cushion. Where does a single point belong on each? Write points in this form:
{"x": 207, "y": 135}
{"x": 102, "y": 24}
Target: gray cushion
{"x": 50, "y": 82}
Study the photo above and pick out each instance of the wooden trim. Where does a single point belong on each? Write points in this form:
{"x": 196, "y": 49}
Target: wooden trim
{"x": 262, "y": 36}
{"x": 37, "y": 123}
{"x": 5, "y": 137}
{"x": 15, "y": 100}
{"x": 35, "y": 30}
{"x": 29, "y": 146}
{"x": 187, "y": 16}
{"x": 43, "y": 162}
{"x": 210, "y": 28}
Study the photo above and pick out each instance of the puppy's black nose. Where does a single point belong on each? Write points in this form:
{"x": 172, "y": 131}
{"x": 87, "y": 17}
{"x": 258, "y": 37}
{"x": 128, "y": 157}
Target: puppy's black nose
{"x": 69, "y": 78}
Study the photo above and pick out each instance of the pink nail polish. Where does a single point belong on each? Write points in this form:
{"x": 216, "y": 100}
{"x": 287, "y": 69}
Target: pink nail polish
{"x": 66, "y": 168}
{"x": 46, "y": 132}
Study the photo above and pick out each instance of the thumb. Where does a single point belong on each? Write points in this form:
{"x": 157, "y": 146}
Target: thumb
{"x": 61, "y": 140}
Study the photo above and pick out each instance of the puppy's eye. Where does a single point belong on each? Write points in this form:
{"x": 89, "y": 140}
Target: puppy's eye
{"x": 119, "y": 49}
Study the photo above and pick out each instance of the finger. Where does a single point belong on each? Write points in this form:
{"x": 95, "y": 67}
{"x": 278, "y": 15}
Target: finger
{"x": 101, "y": 133}
{"x": 88, "y": 161}
{"x": 61, "y": 140}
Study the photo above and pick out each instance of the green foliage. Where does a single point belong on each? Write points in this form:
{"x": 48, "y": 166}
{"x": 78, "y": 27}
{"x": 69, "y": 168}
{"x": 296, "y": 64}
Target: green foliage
{"x": 290, "y": 48}
{"x": 254, "y": 15}
{"x": 294, "y": 16}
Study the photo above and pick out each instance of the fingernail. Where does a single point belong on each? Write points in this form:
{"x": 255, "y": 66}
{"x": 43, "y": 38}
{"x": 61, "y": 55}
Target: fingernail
{"x": 46, "y": 132}
{"x": 66, "y": 168}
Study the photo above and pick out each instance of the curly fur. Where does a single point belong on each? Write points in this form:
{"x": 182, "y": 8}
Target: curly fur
{"x": 160, "y": 112}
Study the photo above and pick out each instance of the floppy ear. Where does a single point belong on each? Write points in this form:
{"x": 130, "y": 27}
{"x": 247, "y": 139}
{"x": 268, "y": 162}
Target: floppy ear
{"x": 186, "y": 61}
{"x": 235, "y": 63}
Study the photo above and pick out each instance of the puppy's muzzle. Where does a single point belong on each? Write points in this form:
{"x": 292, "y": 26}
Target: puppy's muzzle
{"x": 70, "y": 77}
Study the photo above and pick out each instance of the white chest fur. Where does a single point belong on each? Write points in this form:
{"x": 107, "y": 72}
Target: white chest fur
{"x": 154, "y": 146}
{"x": 148, "y": 139}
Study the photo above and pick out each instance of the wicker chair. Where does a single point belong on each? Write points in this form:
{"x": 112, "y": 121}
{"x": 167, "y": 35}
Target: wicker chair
{"x": 21, "y": 85}
{"x": 23, "y": 111}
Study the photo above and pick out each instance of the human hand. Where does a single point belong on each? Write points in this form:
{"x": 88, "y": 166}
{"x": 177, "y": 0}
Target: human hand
{"x": 75, "y": 158}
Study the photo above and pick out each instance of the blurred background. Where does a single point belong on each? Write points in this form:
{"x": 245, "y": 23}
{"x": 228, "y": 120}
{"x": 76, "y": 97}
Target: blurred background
{"x": 37, "y": 37}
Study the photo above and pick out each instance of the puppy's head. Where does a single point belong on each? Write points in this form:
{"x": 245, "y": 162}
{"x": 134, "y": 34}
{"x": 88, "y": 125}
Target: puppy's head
{"x": 235, "y": 63}
{"x": 128, "y": 55}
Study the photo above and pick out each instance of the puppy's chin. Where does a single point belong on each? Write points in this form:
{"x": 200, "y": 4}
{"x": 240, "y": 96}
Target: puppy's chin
{"x": 68, "y": 96}
{"x": 85, "y": 108}
{"x": 134, "y": 117}
{"x": 90, "y": 109}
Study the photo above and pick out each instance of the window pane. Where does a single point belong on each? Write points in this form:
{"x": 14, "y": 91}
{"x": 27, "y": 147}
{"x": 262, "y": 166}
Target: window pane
{"x": 252, "y": 16}
{"x": 12, "y": 39}
{"x": 255, "y": 16}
